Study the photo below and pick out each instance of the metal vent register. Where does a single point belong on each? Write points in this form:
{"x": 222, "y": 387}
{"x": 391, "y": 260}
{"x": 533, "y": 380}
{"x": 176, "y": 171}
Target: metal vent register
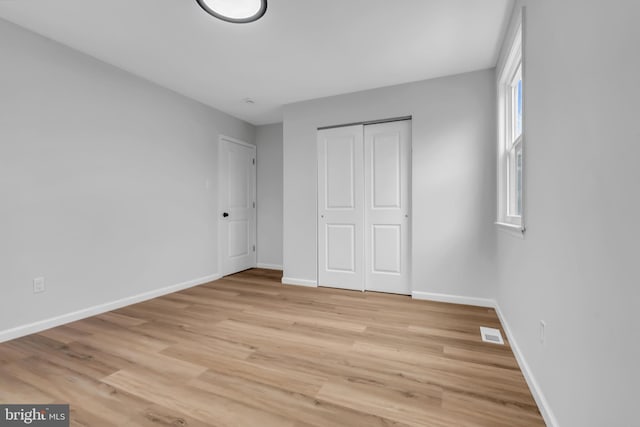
{"x": 491, "y": 335}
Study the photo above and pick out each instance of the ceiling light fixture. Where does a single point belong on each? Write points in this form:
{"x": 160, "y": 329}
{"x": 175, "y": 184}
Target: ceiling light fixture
{"x": 236, "y": 11}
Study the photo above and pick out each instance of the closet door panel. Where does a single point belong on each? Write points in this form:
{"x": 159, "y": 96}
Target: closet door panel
{"x": 387, "y": 167}
{"x": 341, "y": 208}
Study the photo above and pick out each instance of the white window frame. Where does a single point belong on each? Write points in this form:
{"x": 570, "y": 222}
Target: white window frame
{"x": 510, "y": 147}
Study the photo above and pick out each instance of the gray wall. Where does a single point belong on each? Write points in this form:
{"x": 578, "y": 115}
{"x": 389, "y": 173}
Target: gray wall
{"x": 577, "y": 267}
{"x": 103, "y": 181}
{"x": 454, "y": 169}
{"x": 269, "y": 142}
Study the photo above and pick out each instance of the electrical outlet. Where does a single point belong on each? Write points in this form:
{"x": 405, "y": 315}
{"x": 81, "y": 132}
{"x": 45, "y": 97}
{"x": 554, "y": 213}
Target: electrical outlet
{"x": 543, "y": 326}
{"x": 38, "y": 285}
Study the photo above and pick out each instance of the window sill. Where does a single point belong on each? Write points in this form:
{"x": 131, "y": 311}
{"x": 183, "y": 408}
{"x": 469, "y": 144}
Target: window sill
{"x": 512, "y": 229}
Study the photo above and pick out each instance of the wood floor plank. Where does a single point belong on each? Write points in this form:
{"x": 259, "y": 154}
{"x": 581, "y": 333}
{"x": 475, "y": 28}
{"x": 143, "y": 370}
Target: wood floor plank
{"x": 259, "y": 369}
{"x": 246, "y": 350}
{"x": 296, "y": 406}
{"x": 19, "y": 390}
{"x": 63, "y": 334}
{"x": 406, "y": 407}
{"x": 205, "y": 406}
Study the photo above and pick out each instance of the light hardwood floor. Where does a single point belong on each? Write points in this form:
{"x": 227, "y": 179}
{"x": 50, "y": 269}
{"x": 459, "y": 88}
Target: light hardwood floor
{"x": 248, "y": 351}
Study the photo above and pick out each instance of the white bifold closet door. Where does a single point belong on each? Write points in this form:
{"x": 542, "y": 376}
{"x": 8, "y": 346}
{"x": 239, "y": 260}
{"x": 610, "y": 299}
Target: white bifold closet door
{"x": 363, "y": 207}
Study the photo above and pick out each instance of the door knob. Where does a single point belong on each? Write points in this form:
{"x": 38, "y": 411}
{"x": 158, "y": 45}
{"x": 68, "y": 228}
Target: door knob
{"x": 225, "y": 214}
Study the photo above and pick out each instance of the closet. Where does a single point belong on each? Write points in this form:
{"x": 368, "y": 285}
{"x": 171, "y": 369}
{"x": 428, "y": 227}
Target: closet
{"x": 364, "y": 206}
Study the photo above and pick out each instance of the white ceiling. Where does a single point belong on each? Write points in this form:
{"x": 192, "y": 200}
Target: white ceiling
{"x": 301, "y": 49}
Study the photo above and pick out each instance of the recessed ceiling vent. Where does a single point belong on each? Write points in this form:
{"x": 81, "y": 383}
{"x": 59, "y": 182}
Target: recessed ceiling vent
{"x": 491, "y": 335}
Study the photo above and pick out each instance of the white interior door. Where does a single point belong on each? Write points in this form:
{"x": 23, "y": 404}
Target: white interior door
{"x": 340, "y": 208}
{"x": 387, "y": 154}
{"x": 237, "y": 207}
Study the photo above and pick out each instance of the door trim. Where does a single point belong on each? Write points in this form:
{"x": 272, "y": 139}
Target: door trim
{"x": 221, "y": 140}
{"x": 235, "y": 141}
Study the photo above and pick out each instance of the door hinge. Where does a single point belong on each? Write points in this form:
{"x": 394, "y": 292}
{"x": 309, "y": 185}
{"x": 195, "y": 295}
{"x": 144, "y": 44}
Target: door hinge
{"x": 254, "y": 248}
{"x": 254, "y": 161}
{"x": 254, "y": 205}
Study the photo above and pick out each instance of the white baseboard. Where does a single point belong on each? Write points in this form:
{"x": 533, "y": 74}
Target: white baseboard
{"x": 534, "y": 387}
{"x": 455, "y": 299}
{"x": 269, "y": 266}
{"x": 45, "y": 324}
{"x": 299, "y": 282}
{"x": 536, "y": 391}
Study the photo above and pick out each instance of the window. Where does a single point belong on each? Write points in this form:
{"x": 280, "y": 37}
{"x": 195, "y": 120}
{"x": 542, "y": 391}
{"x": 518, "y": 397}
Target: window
{"x": 510, "y": 157}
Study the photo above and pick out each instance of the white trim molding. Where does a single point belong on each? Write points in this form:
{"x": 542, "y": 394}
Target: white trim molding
{"x": 236, "y": 141}
{"x": 42, "y": 325}
{"x": 511, "y": 229}
{"x": 269, "y": 266}
{"x": 510, "y": 70}
{"x": 454, "y": 299}
{"x": 534, "y": 387}
{"x": 299, "y": 282}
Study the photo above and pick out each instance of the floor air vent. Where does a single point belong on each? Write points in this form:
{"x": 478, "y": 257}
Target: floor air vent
{"x": 491, "y": 335}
